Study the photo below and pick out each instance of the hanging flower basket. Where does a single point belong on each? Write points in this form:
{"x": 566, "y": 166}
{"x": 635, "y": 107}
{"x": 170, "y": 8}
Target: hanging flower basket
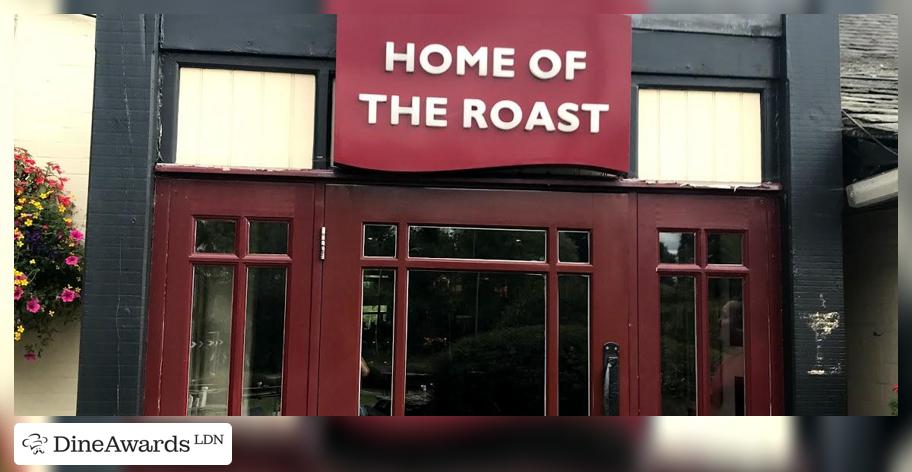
{"x": 47, "y": 280}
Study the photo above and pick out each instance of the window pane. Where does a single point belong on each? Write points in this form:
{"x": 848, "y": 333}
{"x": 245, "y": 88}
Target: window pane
{"x": 573, "y": 343}
{"x": 215, "y": 236}
{"x": 210, "y": 340}
{"x": 573, "y": 246}
{"x": 724, "y": 248}
{"x": 477, "y": 243}
{"x": 679, "y": 368}
{"x": 264, "y": 341}
{"x": 377, "y": 310}
{"x": 677, "y": 248}
{"x": 726, "y": 329}
{"x": 268, "y": 237}
{"x": 380, "y": 240}
{"x": 476, "y": 343}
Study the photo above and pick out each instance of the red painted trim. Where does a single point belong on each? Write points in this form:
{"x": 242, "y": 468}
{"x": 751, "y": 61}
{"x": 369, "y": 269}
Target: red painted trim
{"x": 157, "y": 296}
{"x": 316, "y": 300}
{"x": 342, "y": 176}
{"x": 552, "y": 328}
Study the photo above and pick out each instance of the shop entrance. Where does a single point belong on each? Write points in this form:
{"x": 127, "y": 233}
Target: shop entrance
{"x": 429, "y": 301}
{"x": 475, "y": 302}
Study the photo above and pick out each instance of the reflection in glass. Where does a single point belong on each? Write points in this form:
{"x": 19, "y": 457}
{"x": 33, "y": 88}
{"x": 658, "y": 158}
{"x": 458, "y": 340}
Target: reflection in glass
{"x": 573, "y": 246}
{"x": 268, "y": 237}
{"x": 677, "y": 307}
{"x": 573, "y": 343}
{"x": 210, "y": 340}
{"x": 476, "y": 343}
{"x": 477, "y": 243}
{"x": 677, "y": 248}
{"x": 724, "y": 248}
{"x": 726, "y": 358}
{"x": 215, "y": 236}
{"x": 377, "y": 308}
{"x": 264, "y": 342}
{"x": 380, "y": 240}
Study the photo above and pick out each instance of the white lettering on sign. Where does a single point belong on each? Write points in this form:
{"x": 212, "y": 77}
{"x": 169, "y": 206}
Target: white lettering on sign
{"x": 504, "y": 114}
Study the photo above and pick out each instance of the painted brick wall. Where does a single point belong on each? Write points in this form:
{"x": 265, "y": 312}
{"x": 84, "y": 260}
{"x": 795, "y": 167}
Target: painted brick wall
{"x": 814, "y": 202}
{"x": 117, "y": 245}
{"x": 53, "y": 72}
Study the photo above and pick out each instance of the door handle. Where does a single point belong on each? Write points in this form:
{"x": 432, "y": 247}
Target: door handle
{"x": 610, "y": 392}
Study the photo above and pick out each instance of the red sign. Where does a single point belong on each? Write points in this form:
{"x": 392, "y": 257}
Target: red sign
{"x": 419, "y": 93}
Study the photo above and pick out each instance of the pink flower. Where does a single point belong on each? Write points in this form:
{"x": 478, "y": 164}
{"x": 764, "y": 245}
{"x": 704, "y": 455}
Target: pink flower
{"x": 72, "y": 260}
{"x": 30, "y": 356}
{"x": 77, "y": 235}
{"x": 68, "y": 295}
{"x": 33, "y": 306}
{"x": 17, "y": 293}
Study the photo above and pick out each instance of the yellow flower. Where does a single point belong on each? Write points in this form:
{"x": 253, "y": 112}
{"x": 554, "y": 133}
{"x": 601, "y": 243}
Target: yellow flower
{"x": 37, "y": 204}
{"x": 61, "y": 208}
{"x": 18, "y": 207}
{"x": 44, "y": 195}
{"x": 21, "y": 200}
{"x": 28, "y": 222}
{"x": 24, "y": 283}
{"x": 51, "y": 312}
{"x": 20, "y": 244}
{"x": 32, "y": 262}
{"x": 68, "y": 220}
{"x": 20, "y": 329}
{"x": 17, "y": 336}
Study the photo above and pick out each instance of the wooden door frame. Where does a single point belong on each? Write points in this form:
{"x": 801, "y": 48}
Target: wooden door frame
{"x": 757, "y": 219}
{"x": 177, "y": 203}
{"x": 612, "y": 280}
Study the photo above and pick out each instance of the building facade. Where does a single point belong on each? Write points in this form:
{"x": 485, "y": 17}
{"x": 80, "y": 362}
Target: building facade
{"x": 233, "y": 267}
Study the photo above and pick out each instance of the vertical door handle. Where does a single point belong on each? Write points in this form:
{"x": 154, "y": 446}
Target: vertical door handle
{"x": 610, "y": 392}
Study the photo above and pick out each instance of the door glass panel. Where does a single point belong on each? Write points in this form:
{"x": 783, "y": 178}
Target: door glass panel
{"x": 726, "y": 330}
{"x": 215, "y": 236}
{"x": 377, "y": 308}
{"x": 677, "y": 248}
{"x": 268, "y": 237}
{"x": 573, "y": 344}
{"x": 476, "y": 343}
{"x": 210, "y": 340}
{"x": 573, "y": 246}
{"x": 380, "y": 240}
{"x": 477, "y": 243}
{"x": 677, "y": 305}
{"x": 264, "y": 341}
{"x": 724, "y": 248}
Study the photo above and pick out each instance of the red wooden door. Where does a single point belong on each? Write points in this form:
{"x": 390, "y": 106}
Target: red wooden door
{"x": 229, "y": 321}
{"x": 709, "y": 306}
{"x": 475, "y": 302}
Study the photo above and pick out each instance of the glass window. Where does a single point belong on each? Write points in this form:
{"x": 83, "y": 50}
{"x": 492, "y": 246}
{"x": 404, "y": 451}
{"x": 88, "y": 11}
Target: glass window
{"x": 210, "y": 340}
{"x": 726, "y": 330}
{"x": 724, "y": 248}
{"x": 573, "y": 246}
{"x": 477, "y": 243}
{"x": 268, "y": 237}
{"x": 573, "y": 344}
{"x": 476, "y": 343}
{"x": 677, "y": 306}
{"x": 380, "y": 240}
{"x": 245, "y": 118}
{"x": 677, "y": 248}
{"x": 215, "y": 236}
{"x": 377, "y": 310}
{"x": 264, "y": 340}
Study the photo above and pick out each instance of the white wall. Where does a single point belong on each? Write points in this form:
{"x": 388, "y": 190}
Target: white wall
{"x": 53, "y": 76}
{"x": 872, "y": 309}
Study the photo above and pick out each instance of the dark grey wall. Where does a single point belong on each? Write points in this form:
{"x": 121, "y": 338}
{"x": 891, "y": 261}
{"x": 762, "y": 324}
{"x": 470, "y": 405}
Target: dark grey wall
{"x": 119, "y": 206}
{"x": 812, "y": 174}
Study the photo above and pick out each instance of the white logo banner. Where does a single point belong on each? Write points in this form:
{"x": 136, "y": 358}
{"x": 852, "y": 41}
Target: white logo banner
{"x": 122, "y": 444}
